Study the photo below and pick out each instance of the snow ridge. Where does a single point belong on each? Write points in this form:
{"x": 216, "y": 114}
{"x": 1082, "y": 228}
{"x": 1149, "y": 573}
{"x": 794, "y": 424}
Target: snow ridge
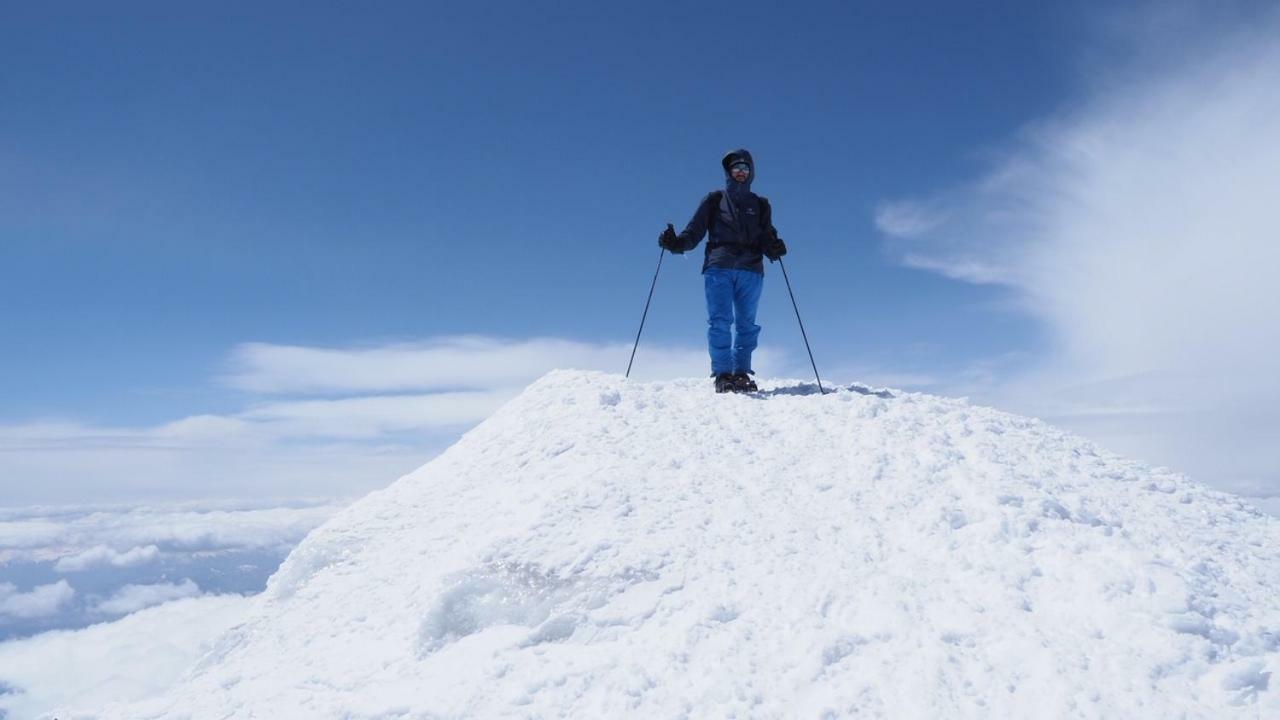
{"x": 605, "y": 548}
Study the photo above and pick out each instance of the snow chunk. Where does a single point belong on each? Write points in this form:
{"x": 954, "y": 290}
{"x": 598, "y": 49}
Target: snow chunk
{"x": 499, "y": 595}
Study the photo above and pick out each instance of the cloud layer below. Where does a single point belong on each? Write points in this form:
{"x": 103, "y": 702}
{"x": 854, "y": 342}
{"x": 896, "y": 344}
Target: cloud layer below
{"x": 1141, "y": 226}
{"x": 129, "y": 659}
{"x": 70, "y": 566}
{"x": 132, "y": 598}
{"x": 103, "y": 555}
{"x": 80, "y": 537}
{"x": 41, "y": 601}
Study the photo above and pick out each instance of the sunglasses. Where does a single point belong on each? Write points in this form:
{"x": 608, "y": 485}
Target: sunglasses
{"x": 740, "y": 167}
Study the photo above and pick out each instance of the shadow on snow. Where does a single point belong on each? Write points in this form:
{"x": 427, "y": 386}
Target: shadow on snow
{"x": 812, "y": 389}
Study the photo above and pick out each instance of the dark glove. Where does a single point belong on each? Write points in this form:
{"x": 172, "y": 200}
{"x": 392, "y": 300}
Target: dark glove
{"x": 775, "y": 248}
{"x": 669, "y": 241}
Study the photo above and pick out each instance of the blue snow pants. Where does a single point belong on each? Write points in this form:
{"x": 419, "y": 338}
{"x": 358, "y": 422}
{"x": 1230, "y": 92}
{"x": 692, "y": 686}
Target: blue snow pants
{"x": 732, "y": 298}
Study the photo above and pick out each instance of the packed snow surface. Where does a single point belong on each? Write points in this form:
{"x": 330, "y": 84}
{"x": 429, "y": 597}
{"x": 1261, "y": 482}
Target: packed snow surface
{"x": 603, "y": 549}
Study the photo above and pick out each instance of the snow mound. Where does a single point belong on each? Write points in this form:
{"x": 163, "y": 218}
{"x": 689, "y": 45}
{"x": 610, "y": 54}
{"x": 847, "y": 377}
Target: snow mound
{"x": 603, "y": 548}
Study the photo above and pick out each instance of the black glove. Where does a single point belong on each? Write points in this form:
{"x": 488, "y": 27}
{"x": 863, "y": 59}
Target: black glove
{"x": 669, "y": 241}
{"x": 775, "y": 248}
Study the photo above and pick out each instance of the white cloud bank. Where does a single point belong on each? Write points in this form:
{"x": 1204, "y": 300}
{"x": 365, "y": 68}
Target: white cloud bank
{"x": 76, "y": 538}
{"x": 103, "y": 555}
{"x": 1143, "y": 226}
{"x": 41, "y": 601}
{"x": 132, "y": 598}
{"x": 129, "y": 659}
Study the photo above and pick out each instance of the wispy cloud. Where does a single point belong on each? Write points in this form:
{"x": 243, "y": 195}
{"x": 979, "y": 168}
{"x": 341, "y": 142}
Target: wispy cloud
{"x": 371, "y": 417}
{"x": 318, "y": 420}
{"x": 74, "y": 472}
{"x": 358, "y": 417}
{"x": 1141, "y": 226}
{"x": 908, "y": 219}
{"x": 470, "y": 362}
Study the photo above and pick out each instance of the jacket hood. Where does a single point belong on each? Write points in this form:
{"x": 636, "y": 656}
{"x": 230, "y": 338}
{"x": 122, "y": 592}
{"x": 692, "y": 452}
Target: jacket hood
{"x": 734, "y": 156}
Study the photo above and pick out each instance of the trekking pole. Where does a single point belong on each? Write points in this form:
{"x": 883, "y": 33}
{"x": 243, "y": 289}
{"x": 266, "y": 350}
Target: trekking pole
{"x": 802, "y": 332}
{"x": 661, "y": 252}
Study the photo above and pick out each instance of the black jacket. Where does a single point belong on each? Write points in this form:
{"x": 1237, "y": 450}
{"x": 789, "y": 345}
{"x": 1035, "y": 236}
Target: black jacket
{"x": 739, "y": 223}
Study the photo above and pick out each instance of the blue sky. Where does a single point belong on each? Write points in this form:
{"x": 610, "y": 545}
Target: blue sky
{"x": 196, "y": 206}
{"x": 204, "y": 180}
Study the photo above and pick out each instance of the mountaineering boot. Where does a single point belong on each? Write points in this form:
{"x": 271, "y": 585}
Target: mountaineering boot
{"x": 742, "y": 382}
{"x": 725, "y": 383}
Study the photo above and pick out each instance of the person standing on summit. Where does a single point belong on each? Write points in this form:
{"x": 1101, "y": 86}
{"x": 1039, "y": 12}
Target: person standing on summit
{"x": 740, "y": 228}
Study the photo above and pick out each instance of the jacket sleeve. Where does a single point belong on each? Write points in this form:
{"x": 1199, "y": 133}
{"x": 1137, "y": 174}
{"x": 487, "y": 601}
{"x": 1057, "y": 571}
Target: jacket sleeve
{"x": 766, "y": 219}
{"x": 698, "y": 226}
